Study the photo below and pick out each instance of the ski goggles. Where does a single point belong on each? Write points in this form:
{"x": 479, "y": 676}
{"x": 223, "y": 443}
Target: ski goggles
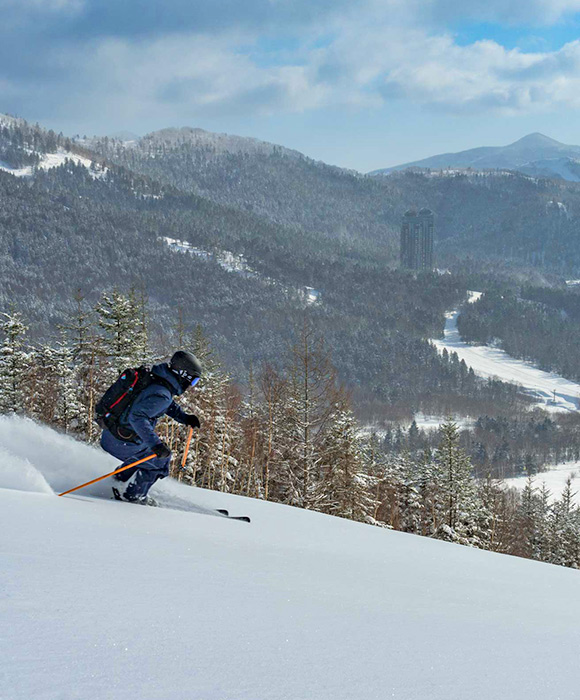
{"x": 195, "y": 380}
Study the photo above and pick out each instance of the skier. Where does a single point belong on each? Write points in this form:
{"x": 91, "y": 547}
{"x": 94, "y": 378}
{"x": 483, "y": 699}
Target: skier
{"x": 169, "y": 380}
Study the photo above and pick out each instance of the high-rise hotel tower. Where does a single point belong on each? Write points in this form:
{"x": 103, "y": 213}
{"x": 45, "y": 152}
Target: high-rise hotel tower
{"x": 417, "y": 240}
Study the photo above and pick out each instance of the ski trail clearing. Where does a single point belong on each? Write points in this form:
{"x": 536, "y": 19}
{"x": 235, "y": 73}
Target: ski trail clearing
{"x": 551, "y": 392}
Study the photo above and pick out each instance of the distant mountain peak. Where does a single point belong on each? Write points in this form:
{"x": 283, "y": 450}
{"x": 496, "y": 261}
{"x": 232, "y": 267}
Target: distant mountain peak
{"x": 537, "y": 140}
{"x": 536, "y": 137}
{"x": 534, "y": 154}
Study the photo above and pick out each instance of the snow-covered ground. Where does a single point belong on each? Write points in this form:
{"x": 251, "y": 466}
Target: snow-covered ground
{"x": 555, "y": 479}
{"x": 428, "y": 422}
{"x": 54, "y": 160}
{"x": 225, "y": 258}
{"x": 232, "y": 262}
{"x": 552, "y": 392}
{"x": 103, "y": 600}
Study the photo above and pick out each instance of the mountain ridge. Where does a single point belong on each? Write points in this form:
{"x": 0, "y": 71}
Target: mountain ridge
{"x": 534, "y": 154}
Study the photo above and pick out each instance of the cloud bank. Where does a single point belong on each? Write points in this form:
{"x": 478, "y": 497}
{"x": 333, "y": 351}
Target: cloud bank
{"x": 184, "y": 59}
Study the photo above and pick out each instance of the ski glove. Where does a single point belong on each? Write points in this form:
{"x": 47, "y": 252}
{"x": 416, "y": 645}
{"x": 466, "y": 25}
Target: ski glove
{"x": 191, "y": 419}
{"x": 161, "y": 450}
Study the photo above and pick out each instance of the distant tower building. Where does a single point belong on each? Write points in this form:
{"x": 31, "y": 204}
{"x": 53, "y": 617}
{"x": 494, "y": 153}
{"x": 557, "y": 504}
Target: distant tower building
{"x": 417, "y": 240}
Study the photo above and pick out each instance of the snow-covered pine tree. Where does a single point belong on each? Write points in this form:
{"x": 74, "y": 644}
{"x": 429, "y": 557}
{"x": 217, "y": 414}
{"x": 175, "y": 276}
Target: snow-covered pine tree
{"x": 43, "y": 387}
{"x": 69, "y": 410}
{"x": 312, "y": 399}
{"x": 14, "y": 361}
{"x": 53, "y": 397}
{"x": 343, "y": 488}
{"x": 138, "y": 307}
{"x": 430, "y": 495}
{"x": 413, "y": 436}
{"x": 531, "y": 523}
{"x": 500, "y": 504}
{"x": 121, "y": 319}
{"x": 564, "y": 529}
{"x": 410, "y": 496}
{"x": 89, "y": 360}
{"x": 374, "y": 466}
{"x": 213, "y": 459}
{"x": 465, "y": 518}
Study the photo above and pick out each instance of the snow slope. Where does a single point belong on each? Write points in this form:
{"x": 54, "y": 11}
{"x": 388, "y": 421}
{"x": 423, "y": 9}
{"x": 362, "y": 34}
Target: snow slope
{"x": 554, "y": 478}
{"x": 103, "y": 600}
{"x": 54, "y": 160}
{"x": 493, "y": 362}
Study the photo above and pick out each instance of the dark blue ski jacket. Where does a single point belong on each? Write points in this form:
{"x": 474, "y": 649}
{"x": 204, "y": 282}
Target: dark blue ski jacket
{"x": 153, "y": 402}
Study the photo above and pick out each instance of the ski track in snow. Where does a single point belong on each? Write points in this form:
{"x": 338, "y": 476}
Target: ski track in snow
{"x": 493, "y": 362}
{"x": 102, "y": 600}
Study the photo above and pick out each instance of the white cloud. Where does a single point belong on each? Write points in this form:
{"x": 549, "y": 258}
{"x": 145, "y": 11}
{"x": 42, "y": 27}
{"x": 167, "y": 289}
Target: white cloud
{"x": 486, "y": 76}
{"x": 189, "y": 76}
{"x": 526, "y": 12}
{"x": 365, "y": 55}
{"x": 23, "y": 6}
{"x": 176, "y": 79}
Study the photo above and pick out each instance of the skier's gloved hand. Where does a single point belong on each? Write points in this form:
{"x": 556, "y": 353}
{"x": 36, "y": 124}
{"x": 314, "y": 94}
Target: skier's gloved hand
{"x": 161, "y": 450}
{"x": 192, "y": 420}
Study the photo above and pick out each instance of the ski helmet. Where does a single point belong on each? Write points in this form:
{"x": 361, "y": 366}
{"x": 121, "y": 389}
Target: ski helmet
{"x": 186, "y": 366}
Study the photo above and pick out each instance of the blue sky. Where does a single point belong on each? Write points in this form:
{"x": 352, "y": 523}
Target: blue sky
{"x": 363, "y": 84}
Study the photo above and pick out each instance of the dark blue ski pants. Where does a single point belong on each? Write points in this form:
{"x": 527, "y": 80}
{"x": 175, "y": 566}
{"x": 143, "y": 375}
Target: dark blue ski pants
{"x": 146, "y": 474}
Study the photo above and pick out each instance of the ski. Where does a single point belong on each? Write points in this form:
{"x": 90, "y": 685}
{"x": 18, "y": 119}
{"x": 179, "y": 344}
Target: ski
{"x": 220, "y": 511}
{"x": 242, "y": 518}
{"x": 226, "y": 514}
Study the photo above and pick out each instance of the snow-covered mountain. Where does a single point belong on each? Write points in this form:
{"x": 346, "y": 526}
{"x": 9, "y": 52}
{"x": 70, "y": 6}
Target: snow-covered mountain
{"x": 105, "y": 600}
{"x": 534, "y": 154}
{"x": 219, "y": 143}
{"x": 46, "y": 161}
{"x": 26, "y": 149}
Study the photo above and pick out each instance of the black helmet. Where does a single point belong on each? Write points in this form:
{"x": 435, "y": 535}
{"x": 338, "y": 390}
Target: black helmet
{"x": 186, "y": 366}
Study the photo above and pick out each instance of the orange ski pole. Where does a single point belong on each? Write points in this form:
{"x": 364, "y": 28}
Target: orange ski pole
{"x": 188, "y": 443}
{"x": 100, "y": 478}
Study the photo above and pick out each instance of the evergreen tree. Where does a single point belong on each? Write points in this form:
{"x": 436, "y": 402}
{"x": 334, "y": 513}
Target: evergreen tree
{"x": 43, "y": 388}
{"x": 213, "y": 461}
{"x": 69, "y": 410}
{"x": 411, "y": 494}
{"x": 14, "y": 361}
{"x": 464, "y": 514}
{"x": 413, "y": 436}
{"x": 312, "y": 399}
{"x": 344, "y": 488}
{"x": 89, "y": 360}
{"x": 564, "y": 529}
{"x": 532, "y": 522}
{"x": 121, "y": 319}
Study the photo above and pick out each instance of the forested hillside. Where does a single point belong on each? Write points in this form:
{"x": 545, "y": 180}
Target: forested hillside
{"x": 74, "y": 228}
{"x": 497, "y": 217}
{"x": 532, "y": 323}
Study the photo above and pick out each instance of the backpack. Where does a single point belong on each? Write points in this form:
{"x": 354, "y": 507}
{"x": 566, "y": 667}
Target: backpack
{"x": 119, "y": 398}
